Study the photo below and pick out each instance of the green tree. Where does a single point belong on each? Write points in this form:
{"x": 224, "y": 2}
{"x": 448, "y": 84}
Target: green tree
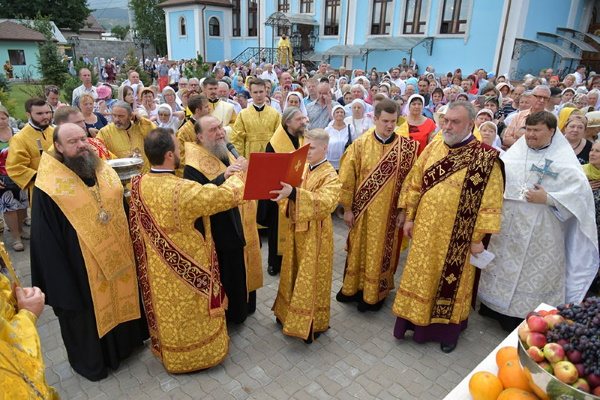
{"x": 50, "y": 65}
{"x": 120, "y": 31}
{"x": 196, "y": 68}
{"x": 69, "y": 14}
{"x": 131, "y": 62}
{"x": 150, "y": 22}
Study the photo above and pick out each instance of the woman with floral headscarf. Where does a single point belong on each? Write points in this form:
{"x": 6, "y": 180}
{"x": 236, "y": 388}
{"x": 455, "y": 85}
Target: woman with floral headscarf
{"x": 420, "y": 128}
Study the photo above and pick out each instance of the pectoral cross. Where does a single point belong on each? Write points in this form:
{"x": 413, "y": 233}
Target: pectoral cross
{"x": 545, "y": 171}
{"x": 298, "y": 165}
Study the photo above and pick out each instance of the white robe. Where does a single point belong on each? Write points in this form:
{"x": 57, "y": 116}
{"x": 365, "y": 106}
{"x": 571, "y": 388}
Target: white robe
{"x": 543, "y": 253}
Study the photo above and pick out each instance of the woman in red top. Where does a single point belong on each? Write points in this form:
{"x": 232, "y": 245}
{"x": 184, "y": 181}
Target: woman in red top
{"x": 420, "y": 128}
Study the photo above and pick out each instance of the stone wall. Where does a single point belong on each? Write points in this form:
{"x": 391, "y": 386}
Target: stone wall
{"x": 110, "y": 48}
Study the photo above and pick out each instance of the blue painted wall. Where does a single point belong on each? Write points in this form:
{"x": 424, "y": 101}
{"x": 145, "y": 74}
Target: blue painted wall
{"x": 479, "y": 49}
{"x": 544, "y": 21}
{"x": 215, "y": 50}
{"x": 182, "y": 46}
{"x": 31, "y": 58}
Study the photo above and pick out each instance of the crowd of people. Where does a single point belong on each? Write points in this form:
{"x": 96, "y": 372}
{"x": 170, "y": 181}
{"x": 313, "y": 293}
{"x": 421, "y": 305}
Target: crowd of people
{"x": 450, "y": 166}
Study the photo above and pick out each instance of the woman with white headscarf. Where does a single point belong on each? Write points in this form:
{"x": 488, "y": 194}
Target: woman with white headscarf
{"x": 340, "y": 136}
{"x": 359, "y": 121}
{"x": 295, "y": 99}
{"x": 339, "y": 85}
{"x": 167, "y": 119}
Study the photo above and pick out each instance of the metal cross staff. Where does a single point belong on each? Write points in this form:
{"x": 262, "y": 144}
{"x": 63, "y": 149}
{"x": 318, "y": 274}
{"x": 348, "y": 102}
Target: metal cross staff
{"x": 545, "y": 171}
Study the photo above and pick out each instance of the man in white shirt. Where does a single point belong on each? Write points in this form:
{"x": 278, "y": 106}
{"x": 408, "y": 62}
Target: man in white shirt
{"x": 269, "y": 74}
{"x": 397, "y": 80}
{"x": 173, "y": 74}
{"x": 85, "y": 76}
{"x": 579, "y": 74}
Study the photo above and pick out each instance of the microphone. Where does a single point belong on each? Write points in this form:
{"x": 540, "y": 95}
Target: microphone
{"x": 232, "y": 150}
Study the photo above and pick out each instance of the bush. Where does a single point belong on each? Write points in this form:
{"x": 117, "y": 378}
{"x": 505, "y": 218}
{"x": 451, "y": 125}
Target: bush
{"x": 4, "y": 83}
{"x": 196, "y": 68}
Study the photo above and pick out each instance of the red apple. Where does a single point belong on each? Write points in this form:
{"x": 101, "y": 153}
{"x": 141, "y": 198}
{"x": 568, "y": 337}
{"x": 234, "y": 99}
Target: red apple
{"x": 575, "y": 356}
{"x": 547, "y": 367}
{"x": 566, "y": 372}
{"x": 530, "y": 314}
{"x": 581, "y": 384}
{"x": 596, "y": 391}
{"x": 537, "y": 324}
{"x": 553, "y": 319}
{"x": 553, "y": 311}
{"x": 580, "y": 369}
{"x": 594, "y": 380}
{"x": 536, "y": 339}
{"x": 535, "y": 353}
{"x": 554, "y": 352}
{"x": 523, "y": 331}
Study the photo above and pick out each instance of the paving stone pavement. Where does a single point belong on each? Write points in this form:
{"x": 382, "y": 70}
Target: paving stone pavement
{"x": 357, "y": 358}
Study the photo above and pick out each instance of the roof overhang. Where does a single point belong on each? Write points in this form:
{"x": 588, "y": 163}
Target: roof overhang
{"x": 343, "y": 50}
{"x": 571, "y": 39}
{"x": 580, "y": 35}
{"x": 560, "y": 51}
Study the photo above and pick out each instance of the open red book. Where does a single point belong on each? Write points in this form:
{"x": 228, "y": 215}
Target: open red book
{"x": 267, "y": 170}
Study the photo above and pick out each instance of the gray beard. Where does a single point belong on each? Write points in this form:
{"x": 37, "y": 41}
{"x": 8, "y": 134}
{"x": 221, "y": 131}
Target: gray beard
{"x": 219, "y": 150}
{"x": 84, "y": 166}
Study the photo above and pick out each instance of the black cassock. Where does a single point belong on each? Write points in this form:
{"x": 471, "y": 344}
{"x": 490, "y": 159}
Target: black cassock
{"x": 228, "y": 234}
{"x": 268, "y": 215}
{"x": 58, "y": 268}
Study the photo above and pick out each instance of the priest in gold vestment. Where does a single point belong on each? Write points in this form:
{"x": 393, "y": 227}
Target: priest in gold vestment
{"x": 177, "y": 265}
{"x": 372, "y": 171}
{"x": 124, "y": 136}
{"x": 288, "y": 137}
{"x": 451, "y": 199}
{"x": 303, "y": 300}
{"x": 27, "y": 145}
{"x": 22, "y": 370}
{"x": 198, "y": 106}
{"x": 220, "y": 109}
{"x": 82, "y": 256}
{"x": 256, "y": 123}
{"x": 234, "y": 231}
{"x": 284, "y": 52}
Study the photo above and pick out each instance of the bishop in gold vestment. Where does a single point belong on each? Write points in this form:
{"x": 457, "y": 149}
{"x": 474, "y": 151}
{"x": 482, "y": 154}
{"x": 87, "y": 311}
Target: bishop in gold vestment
{"x": 453, "y": 197}
{"x": 234, "y": 231}
{"x": 372, "y": 171}
{"x": 22, "y": 370}
{"x": 177, "y": 264}
{"x": 82, "y": 256}
{"x": 124, "y": 137}
{"x": 303, "y": 299}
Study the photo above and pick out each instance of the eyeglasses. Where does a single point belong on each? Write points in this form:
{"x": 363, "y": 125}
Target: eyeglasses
{"x": 541, "y": 98}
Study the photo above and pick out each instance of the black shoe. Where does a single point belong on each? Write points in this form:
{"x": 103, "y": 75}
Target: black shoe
{"x": 310, "y": 337}
{"x": 272, "y": 270}
{"x": 364, "y": 306}
{"x": 447, "y": 348}
{"x": 278, "y": 321}
{"x": 342, "y": 298}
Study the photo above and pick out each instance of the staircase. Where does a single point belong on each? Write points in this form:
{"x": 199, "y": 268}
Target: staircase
{"x": 311, "y": 60}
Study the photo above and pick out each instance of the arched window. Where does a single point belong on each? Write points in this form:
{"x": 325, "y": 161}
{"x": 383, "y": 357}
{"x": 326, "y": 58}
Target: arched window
{"x": 214, "y": 27}
{"x": 182, "y": 30}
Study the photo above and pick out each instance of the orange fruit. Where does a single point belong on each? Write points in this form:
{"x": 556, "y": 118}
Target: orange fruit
{"x": 484, "y": 385}
{"x": 506, "y": 354}
{"x": 511, "y": 375}
{"x": 516, "y": 394}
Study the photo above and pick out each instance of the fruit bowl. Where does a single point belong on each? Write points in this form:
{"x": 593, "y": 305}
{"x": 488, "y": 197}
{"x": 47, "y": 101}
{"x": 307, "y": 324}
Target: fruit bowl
{"x": 546, "y": 385}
